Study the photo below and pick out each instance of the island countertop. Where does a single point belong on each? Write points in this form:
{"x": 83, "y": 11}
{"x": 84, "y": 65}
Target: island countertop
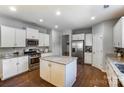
{"x": 60, "y": 59}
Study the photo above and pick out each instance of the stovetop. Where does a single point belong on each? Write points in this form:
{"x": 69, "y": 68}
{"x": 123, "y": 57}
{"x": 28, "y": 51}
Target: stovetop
{"x": 32, "y": 53}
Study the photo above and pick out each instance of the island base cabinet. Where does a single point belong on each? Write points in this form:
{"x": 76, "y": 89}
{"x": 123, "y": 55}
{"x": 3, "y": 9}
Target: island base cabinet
{"x": 45, "y": 70}
{"x": 71, "y": 73}
{"x": 57, "y": 74}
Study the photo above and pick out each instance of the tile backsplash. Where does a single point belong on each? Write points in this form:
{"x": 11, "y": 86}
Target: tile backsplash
{"x": 10, "y": 51}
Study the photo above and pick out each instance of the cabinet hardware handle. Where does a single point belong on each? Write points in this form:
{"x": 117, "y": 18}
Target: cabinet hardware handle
{"x": 49, "y": 65}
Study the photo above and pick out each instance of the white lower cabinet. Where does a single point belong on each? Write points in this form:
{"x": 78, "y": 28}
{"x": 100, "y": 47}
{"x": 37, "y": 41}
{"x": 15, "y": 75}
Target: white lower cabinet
{"x": 88, "y": 58}
{"x": 9, "y": 68}
{"x": 13, "y": 66}
{"x": 58, "y": 74}
{"x": 111, "y": 75}
{"x": 22, "y": 64}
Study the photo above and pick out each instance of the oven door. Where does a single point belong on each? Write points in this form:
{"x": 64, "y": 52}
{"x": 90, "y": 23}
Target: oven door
{"x": 34, "y": 63}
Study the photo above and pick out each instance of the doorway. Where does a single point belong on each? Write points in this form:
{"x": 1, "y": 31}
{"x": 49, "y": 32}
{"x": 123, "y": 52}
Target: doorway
{"x": 65, "y": 45}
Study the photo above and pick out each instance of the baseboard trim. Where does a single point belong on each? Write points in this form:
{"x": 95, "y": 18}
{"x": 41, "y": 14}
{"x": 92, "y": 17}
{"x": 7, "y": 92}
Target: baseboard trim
{"x": 99, "y": 68}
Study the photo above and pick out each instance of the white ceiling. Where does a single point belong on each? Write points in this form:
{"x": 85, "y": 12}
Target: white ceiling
{"x": 72, "y": 16}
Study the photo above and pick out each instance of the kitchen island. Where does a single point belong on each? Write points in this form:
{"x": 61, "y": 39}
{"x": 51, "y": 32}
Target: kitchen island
{"x": 60, "y": 71}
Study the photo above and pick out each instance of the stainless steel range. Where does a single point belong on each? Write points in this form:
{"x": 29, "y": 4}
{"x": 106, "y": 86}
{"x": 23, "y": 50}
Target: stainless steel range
{"x": 34, "y": 58}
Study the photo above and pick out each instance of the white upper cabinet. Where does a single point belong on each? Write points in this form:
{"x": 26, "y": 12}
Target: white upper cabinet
{"x": 7, "y": 36}
{"x": 88, "y": 40}
{"x": 118, "y": 33}
{"x": 43, "y": 39}
{"x": 12, "y": 37}
{"x": 46, "y": 39}
{"x": 78, "y": 37}
{"x": 20, "y": 38}
{"x": 32, "y": 33}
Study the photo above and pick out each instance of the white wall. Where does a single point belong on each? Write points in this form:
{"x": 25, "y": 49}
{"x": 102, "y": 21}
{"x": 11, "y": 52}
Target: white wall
{"x": 20, "y": 24}
{"x": 108, "y": 36}
{"x": 104, "y": 30}
{"x": 56, "y": 42}
{"x": 97, "y": 31}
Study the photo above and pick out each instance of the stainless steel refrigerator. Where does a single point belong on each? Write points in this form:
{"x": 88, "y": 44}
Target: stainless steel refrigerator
{"x": 78, "y": 50}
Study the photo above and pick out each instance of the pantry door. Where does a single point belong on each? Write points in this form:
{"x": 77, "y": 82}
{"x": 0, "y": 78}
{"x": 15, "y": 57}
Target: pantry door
{"x": 97, "y": 51}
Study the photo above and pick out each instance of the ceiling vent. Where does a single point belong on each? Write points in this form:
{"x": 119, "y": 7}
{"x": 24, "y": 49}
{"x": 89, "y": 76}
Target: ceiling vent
{"x": 106, "y": 6}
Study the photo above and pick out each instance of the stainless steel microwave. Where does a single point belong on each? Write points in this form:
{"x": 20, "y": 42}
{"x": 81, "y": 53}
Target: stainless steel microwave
{"x": 32, "y": 42}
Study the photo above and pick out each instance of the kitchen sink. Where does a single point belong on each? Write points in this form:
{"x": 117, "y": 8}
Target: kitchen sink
{"x": 120, "y": 67}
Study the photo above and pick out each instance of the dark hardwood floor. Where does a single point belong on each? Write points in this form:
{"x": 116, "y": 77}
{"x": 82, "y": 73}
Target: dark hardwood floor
{"x": 87, "y": 76}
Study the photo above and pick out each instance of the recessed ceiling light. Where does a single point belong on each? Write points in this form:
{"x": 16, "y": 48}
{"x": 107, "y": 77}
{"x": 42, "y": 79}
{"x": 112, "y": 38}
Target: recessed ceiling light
{"x": 12, "y": 8}
{"x": 56, "y": 26}
{"x": 58, "y": 13}
{"x": 93, "y": 18}
{"x": 41, "y": 20}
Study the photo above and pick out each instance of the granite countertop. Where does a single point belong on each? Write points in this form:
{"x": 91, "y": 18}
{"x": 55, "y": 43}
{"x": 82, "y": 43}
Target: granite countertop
{"x": 64, "y": 60}
{"x": 113, "y": 59}
{"x": 11, "y": 56}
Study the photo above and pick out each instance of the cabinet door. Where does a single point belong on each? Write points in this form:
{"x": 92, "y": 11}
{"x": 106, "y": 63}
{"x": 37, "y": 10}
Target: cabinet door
{"x": 32, "y": 33}
{"x": 75, "y": 37}
{"x": 113, "y": 81}
{"x": 97, "y": 51}
{"x": 88, "y": 57}
{"x": 46, "y": 40}
{"x": 88, "y": 40}
{"x": 81, "y": 37}
{"x": 22, "y": 64}
{"x": 57, "y": 74}
{"x": 115, "y": 39}
{"x": 20, "y": 38}
{"x": 117, "y": 34}
{"x": 36, "y": 34}
{"x": 45, "y": 68}
{"x": 7, "y": 36}
{"x": 9, "y": 68}
{"x": 41, "y": 39}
